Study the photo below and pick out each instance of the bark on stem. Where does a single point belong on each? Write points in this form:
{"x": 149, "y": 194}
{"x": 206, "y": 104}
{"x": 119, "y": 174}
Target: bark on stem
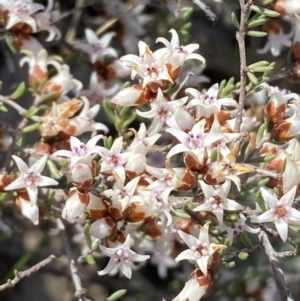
{"x": 240, "y": 37}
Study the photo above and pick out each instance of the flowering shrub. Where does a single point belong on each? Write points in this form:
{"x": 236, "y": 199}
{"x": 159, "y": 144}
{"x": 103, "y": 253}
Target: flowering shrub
{"x": 172, "y": 171}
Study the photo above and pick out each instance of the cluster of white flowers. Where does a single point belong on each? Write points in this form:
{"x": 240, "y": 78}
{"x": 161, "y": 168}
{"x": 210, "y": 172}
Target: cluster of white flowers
{"x": 130, "y": 204}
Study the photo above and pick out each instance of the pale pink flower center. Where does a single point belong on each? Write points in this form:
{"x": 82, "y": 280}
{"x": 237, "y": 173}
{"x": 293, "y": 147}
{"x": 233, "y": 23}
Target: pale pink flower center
{"x": 194, "y": 141}
{"x": 81, "y": 150}
{"x": 201, "y": 249}
{"x": 96, "y": 47}
{"x": 163, "y": 113}
{"x": 179, "y": 49}
{"x": 121, "y": 256}
{"x": 280, "y": 211}
{"x": 215, "y": 201}
{"x": 31, "y": 177}
{"x": 152, "y": 71}
{"x": 208, "y": 99}
{"x": 22, "y": 9}
{"x": 114, "y": 160}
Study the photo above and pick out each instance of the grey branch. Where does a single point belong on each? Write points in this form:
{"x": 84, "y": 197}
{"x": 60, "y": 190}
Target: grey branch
{"x": 21, "y": 275}
{"x": 285, "y": 294}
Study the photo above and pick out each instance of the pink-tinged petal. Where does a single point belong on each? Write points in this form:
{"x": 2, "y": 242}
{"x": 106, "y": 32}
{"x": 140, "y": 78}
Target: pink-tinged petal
{"x": 126, "y": 269}
{"x": 117, "y": 145}
{"x": 131, "y": 186}
{"x": 288, "y": 198}
{"x": 100, "y": 229}
{"x": 203, "y": 207}
{"x": 190, "y": 240}
{"x": 155, "y": 171}
{"x": 232, "y": 205}
{"x": 195, "y": 93}
{"x": 208, "y": 190}
{"x": 203, "y": 235}
{"x": 282, "y": 228}
{"x": 191, "y": 48}
{"x": 269, "y": 198}
{"x": 92, "y": 142}
{"x": 149, "y": 114}
{"x": 106, "y": 39}
{"x": 32, "y": 193}
{"x": 22, "y": 166}
{"x": 165, "y": 194}
{"x": 39, "y": 165}
{"x": 227, "y": 102}
{"x": 213, "y": 91}
{"x": 180, "y": 135}
{"x": 74, "y": 142}
{"x": 45, "y": 181}
{"x": 16, "y": 184}
{"x": 202, "y": 264}
{"x": 30, "y": 211}
{"x": 120, "y": 171}
{"x": 224, "y": 188}
{"x": 185, "y": 255}
{"x": 267, "y": 216}
{"x": 177, "y": 149}
{"x": 196, "y": 56}
{"x": 165, "y": 42}
{"x": 63, "y": 153}
{"x": 175, "y": 38}
{"x": 294, "y": 215}
{"x": 108, "y": 251}
{"x": 133, "y": 256}
{"x": 90, "y": 36}
{"x": 156, "y": 126}
{"x": 101, "y": 151}
{"x": 219, "y": 213}
{"x": 110, "y": 266}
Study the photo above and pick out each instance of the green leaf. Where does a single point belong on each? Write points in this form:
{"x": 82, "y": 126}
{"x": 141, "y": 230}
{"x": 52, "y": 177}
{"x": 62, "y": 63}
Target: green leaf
{"x": 116, "y": 295}
{"x": 30, "y": 112}
{"x": 130, "y": 119}
{"x": 256, "y": 34}
{"x": 266, "y": 158}
{"x": 54, "y": 172}
{"x": 260, "y": 132}
{"x": 253, "y": 79}
{"x": 235, "y": 21}
{"x": 10, "y": 44}
{"x": 257, "y": 22}
{"x": 109, "y": 111}
{"x": 32, "y": 127}
{"x": 264, "y": 11}
{"x": 19, "y": 91}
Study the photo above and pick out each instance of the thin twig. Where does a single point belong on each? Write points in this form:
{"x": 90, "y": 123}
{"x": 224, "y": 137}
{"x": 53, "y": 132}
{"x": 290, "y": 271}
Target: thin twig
{"x": 23, "y": 274}
{"x": 182, "y": 84}
{"x": 80, "y": 292}
{"x": 281, "y": 285}
{"x": 240, "y": 37}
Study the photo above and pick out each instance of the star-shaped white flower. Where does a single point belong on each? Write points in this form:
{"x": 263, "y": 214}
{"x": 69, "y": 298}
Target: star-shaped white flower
{"x": 280, "y": 211}
{"x": 200, "y": 249}
{"x": 80, "y": 151}
{"x": 31, "y": 178}
{"x": 121, "y": 257}
{"x": 216, "y": 200}
{"x": 95, "y": 47}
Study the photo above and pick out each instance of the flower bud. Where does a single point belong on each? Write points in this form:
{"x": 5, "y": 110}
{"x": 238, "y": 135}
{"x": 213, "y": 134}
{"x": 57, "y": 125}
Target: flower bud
{"x": 82, "y": 176}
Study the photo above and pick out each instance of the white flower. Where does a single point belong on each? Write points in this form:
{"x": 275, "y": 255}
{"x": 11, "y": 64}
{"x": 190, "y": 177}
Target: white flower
{"x": 113, "y": 160}
{"x": 179, "y": 52}
{"x": 80, "y": 152}
{"x": 208, "y": 102}
{"x": 84, "y": 121}
{"x": 216, "y": 200}
{"x": 162, "y": 111}
{"x": 280, "y": 211}
{"x": 97, "y": 48}
{"x": 21, "y": 12}
{"x": 200, "y": 249}
{"x": 277, "y": 38}
{"x": 31, "y": 178}
{"x": 121, "y": 257}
